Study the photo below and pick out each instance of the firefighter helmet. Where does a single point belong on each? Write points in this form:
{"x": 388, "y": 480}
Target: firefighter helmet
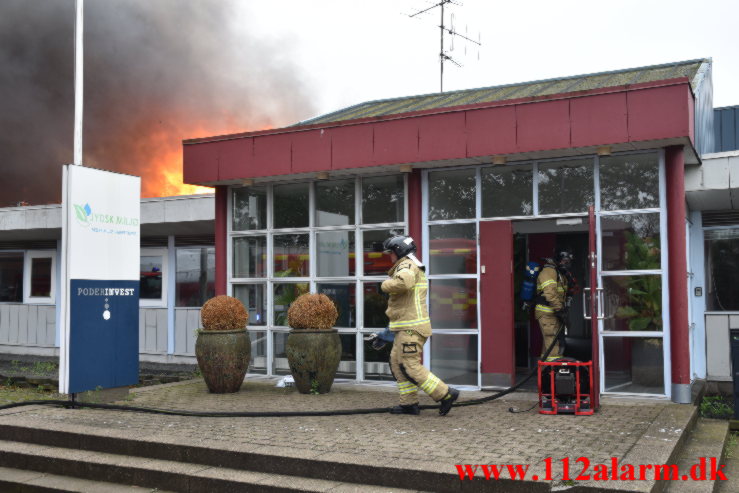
{"x": 400, "y": 245}
{"x": 564, "y": 258}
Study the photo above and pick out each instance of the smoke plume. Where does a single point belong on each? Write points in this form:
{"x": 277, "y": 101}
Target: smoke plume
{"x": 156, "y": 72}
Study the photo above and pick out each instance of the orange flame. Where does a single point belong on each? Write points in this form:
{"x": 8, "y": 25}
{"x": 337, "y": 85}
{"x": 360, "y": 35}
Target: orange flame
{"x": 162, "y": 177}
{"x": 160, "y": 152}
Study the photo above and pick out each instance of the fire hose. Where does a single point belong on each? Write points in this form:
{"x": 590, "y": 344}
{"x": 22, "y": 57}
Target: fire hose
{"x": 74, "y": 404}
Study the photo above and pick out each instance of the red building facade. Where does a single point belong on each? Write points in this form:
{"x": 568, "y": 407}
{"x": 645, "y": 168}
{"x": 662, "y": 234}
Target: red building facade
{"x": 484, "y": 180}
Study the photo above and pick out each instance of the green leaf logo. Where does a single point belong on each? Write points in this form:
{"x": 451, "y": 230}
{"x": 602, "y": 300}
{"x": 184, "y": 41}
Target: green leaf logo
{"x": 79, "y": 212}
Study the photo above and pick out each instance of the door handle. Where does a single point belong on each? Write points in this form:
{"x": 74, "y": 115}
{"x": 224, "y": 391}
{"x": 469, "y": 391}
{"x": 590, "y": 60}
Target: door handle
{"x": 601, "y": 303}
{"x": 585, "y": 304}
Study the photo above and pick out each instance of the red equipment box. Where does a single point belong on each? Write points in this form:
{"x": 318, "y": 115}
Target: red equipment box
{"x": 566, "y": 387}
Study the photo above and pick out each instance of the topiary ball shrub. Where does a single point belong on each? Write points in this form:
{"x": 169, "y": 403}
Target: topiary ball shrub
{"x": 312, "y": 311}
{"x": 224, "y": 313}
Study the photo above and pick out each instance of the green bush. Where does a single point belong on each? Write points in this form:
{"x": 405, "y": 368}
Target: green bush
{"x": 716, "y": 407}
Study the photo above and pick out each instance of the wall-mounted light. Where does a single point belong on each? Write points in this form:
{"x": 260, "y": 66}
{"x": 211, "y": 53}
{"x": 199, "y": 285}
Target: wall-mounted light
{"x": 247, "y": 182}
{"x": 604, "y": 151}
{"x": 499, "y": 160}
{"x": 322, "y": 175}
{"x": 406, "y": 168}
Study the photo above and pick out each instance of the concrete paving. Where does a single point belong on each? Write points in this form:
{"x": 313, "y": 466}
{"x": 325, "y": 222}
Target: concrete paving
{"x": 634, "y": 431}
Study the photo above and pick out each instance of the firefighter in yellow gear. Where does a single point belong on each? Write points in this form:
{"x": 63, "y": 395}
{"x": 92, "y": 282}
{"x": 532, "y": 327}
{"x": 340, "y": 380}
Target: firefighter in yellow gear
{"x": 410, "y": 322}
{"x": 551, "y": 305}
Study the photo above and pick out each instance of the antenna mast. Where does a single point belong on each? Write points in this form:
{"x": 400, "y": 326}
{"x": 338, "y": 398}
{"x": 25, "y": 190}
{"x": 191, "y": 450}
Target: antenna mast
{"x": 442, "y": 28}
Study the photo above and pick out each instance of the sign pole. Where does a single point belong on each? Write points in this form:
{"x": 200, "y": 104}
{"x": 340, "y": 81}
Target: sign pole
{"x": 79, "y": 79}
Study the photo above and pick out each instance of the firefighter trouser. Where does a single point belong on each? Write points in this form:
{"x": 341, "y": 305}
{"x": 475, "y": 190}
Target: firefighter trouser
{"x": 408, "y": 370}
{"x": 549, "y": 324}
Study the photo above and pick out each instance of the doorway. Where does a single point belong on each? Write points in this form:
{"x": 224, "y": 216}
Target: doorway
{"x": 534, "y": 241}
{"x": 511, "y": 338}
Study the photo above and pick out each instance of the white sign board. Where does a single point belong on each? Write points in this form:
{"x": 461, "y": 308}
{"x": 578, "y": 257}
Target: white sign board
{"x": 100, "y": 279}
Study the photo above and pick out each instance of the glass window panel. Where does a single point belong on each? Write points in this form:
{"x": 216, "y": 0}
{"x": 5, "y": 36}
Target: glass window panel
{"x": 258, "y": 358}
{"x": 249, "y": 208}
{"x": 254, "y": 298}
{"x": 348, "y": 363}
{"x": 375, "y": 304}
{"x": 453, "y": 249}
{"x": 507, "y": 191}
{"x": 195, "y": 277}
{"x": 249, "y": 254}
{"x": 632, "y": 302}
{"x": 291, "y": 206}
{"x": 452, "y": 194}
{"x": 280, "y": 365}
{"x": 453, "y": 303}
{"x": 335, "y": 203}
{"x": 383, "y": 199}
{"x": 150, "y": 284}
{"x": 566, "y": 186}
{"x": 284, "y": 294}
{"x": 41, "y": 277}
{"x": 376, "y": 366}
{"x": 722, "y": 269}
{"x": 454, "y": 358}
{"x": 634, "y": 365}
{"x": 631, "y": 242}
{"x": 291, "y": 255}
{"x": 376, "y": 262}
{"x": 336, "y": 253}
{"x": 344, "y": 297}
{"x": 629, "y": 182}
{"x": 11, "y": 277}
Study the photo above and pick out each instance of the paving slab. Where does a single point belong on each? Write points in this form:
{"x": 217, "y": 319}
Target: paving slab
{"x": 633, "y": 430}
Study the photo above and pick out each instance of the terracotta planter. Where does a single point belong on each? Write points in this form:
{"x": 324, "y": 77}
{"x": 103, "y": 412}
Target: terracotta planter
{"x": 313, "y": 355}
{"x": 223, "y": 358}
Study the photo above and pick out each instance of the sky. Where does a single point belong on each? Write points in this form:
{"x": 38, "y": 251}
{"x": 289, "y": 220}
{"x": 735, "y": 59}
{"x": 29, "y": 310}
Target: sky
{"x": 160, "y": 71}
{"x": 354, "y": 51}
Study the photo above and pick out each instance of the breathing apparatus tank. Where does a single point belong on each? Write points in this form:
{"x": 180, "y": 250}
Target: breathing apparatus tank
{"x": 528, "y": 286}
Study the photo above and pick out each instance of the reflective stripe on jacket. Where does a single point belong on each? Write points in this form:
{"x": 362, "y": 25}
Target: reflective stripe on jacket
{"x": 407, "y": 307}
{"x": 553, "y": 287}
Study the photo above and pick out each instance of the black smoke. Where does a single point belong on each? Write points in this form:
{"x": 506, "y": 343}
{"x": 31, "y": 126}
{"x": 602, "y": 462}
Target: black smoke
{"x": 156, "y": 72}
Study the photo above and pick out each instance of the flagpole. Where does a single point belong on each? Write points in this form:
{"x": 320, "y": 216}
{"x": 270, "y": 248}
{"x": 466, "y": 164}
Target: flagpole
{"x": 78, "y": 81}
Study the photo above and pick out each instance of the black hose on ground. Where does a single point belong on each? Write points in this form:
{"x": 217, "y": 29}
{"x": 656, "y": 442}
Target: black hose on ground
{"x": 271, "y": 414}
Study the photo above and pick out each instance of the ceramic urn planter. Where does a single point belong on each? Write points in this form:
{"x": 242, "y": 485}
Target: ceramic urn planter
{"x": 223, "y": 358}
{"x": 313, "y": 356}
{"x": 223, "y": 347}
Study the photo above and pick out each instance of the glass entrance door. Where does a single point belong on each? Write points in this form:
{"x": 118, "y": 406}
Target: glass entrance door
{"x": 631, "y": 262}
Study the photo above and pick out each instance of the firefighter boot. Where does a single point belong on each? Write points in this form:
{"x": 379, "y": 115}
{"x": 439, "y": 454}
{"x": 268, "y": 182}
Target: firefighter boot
{"x": 446, "y": 402}
{"x": 406, "y": 409}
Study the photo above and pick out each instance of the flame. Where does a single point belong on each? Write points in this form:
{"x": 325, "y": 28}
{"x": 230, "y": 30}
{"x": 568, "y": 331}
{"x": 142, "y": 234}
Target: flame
{"x": 159, "y": 152}
{"x": 168, "y": 181}
{"x": 162, "y": 176}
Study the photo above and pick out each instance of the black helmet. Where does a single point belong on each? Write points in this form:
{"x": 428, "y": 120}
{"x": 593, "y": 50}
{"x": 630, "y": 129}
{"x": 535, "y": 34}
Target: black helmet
{"x": 564, "y": 257}
{"x": 400, "y": 245}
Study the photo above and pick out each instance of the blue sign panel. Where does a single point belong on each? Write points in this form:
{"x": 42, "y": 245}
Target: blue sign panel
{"x": 104, "y": 334}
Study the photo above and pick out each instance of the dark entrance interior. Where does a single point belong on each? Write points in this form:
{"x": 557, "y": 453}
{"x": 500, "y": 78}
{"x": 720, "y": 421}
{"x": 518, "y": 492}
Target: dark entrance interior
{"x": 533, "y": 241}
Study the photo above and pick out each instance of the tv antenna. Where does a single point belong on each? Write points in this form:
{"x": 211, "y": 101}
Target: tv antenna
{"x": 443, "y": 28}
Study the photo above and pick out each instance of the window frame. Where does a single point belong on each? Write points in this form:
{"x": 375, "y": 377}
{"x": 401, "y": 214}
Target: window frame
{"x": 174, "y": 272}
{"x": 708, "y": 268}
{"x": 28, "y": 257}
{"x": 269, "y": 280}
{"x": 162, "y": 302}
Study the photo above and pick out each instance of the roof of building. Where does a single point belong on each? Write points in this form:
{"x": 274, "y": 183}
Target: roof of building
{"x": 692, "y": 69}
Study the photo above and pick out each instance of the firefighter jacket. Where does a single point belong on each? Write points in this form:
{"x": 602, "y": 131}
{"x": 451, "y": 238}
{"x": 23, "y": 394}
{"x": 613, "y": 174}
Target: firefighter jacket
{"x": 406, "y": 308}
{"x": 551, "y": 286}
